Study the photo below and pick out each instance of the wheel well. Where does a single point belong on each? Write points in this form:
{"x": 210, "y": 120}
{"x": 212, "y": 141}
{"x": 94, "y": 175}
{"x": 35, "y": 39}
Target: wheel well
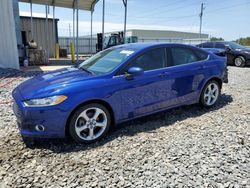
{"x": 217, "y": 80}
{"x": 105, "y": 104}
{"x": 240, "y": 56}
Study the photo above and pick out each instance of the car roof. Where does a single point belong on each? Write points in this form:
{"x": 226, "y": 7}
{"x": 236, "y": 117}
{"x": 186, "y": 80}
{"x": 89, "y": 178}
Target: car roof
{"x": 222, "y": 42}
{"x": 146, "y": 45}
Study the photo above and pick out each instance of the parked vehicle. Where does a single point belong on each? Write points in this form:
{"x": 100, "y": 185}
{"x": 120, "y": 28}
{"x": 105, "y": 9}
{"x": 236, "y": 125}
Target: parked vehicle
{"x": 217, "y": 51}
{"x": 113, "y": 39}
{"x": 236, "y": 54}
{"x": 114, "y": 86}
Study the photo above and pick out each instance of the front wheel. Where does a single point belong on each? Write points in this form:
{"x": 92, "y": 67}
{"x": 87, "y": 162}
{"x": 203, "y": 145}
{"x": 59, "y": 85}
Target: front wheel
{"x": 210, "y": 94}
{"x": 89, "y": 123}
{"x": 239, "y": 61}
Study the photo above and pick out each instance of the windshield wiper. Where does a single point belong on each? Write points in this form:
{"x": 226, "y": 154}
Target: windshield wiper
{"x": 86, "y": 70}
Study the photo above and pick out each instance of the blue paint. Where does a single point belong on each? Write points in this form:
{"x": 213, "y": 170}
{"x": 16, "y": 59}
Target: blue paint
{"x": 146, "y": 93}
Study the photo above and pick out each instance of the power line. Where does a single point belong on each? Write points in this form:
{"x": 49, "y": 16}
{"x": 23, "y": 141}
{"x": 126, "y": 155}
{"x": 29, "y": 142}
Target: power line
{"x": 157, "y": 8}
{"x": 227, "y": 7}
{"x": 171, "y": 10}
{"x": 158, "y": 13}
{"x": 195, "y": 15}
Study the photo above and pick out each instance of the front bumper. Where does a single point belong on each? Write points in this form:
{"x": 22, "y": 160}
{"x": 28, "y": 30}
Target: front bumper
{"x": 52, "y": 118}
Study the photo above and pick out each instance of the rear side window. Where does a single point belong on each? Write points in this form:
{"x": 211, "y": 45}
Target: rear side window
{"x": 206, "y": 45}
{"x": 219, "y": 45}
{"x": 201, "y": 55}
{"x": 181, "y": 56}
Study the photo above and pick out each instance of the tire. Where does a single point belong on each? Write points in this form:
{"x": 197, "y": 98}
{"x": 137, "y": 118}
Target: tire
{"x": 210, "y": 94}
{"x": 239, "y": 61}
{"x": 89, "y": 123}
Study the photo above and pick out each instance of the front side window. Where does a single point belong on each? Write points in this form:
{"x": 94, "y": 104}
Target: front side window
{"x": 151, "y": 60}
{"x": 181, "y": 56}
{"x": 106, "y": 61}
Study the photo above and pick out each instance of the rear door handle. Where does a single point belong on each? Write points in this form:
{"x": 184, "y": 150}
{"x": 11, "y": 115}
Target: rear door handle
{"x": 164, "y": 74}
{"x": 161, "y": 75}
{"x": 198, "y": 68}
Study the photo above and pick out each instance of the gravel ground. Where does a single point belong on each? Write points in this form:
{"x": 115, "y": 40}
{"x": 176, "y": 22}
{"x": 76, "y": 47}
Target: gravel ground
{"x": 184, "y": 147}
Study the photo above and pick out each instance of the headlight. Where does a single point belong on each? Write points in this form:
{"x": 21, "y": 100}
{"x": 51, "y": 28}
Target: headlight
{"x": 48, "y": 101}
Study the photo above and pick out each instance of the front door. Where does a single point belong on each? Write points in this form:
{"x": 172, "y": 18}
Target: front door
{"x": 144, "y": 94}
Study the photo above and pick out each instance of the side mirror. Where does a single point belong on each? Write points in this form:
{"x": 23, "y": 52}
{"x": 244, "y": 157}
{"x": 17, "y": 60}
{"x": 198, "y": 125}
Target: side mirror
{"x": 134, "y": 71}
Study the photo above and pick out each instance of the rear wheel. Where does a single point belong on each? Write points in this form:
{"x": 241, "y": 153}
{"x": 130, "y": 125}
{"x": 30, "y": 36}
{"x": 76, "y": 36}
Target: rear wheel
{"x": 239, "y": 61}
{"x": 210, "y": 94}
{"x": 89, "y": 123}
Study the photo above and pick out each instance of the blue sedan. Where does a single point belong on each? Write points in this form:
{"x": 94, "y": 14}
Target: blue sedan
{"x": 114, "y": 86}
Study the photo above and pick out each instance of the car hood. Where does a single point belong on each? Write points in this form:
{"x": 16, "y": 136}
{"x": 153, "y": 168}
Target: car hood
{"x": 243, "y": 50}
{"x": 52, "y": 82}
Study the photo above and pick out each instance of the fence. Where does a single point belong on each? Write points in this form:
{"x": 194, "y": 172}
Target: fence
{"x": 85, "y": 46}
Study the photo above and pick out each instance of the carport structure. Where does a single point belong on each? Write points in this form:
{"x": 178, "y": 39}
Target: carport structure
{"x": 76, "y": 5}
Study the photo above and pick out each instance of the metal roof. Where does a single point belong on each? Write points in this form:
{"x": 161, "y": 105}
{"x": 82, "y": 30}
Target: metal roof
{"x": 82, "y": 4}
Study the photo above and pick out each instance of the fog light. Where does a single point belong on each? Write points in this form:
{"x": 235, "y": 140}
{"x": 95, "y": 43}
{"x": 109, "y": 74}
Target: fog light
{"x": 39, "y": 128}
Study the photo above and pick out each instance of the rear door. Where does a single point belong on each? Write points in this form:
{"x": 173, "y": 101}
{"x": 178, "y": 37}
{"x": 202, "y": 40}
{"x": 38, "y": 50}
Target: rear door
{"x": 186, "y": 67}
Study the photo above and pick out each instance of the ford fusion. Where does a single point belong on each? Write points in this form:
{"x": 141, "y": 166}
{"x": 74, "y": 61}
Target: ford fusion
{"x": 114, "y": 86}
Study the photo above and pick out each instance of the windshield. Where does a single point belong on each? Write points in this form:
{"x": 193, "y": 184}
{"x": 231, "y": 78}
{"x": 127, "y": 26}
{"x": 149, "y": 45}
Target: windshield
{"x": 235, "y": 45}
{"x": 106, "y": 61}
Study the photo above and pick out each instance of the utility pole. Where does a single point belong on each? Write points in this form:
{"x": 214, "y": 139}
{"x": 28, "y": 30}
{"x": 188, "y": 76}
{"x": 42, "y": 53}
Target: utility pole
{"x": 201, "y": 14}
{"x": 69, "y": 31}
{"x": 125, "y": 3}
{"x": 103, "y": 20}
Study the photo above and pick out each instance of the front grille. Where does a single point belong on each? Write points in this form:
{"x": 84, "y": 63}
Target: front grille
{"x": 17, "y": 111}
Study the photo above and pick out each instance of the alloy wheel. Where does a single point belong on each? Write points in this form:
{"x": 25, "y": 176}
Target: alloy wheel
{"x": 91, "y": 124}
{"x": 239, "y": 61}
{"x": 211, "y": 94}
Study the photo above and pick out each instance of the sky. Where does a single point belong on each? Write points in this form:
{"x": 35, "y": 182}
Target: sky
{"x": 229, "y": 19}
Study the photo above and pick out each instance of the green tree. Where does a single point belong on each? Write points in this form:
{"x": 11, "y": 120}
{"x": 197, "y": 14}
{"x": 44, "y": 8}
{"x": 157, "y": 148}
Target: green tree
{"x": 216, "y": 39}
{"x": 244, "y": 41}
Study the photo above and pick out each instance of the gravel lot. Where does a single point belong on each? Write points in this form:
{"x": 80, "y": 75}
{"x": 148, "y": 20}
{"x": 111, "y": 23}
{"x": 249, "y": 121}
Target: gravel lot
{"x": 184, "y": 147}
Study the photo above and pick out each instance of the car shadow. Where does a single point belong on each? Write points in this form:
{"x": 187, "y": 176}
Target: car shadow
{"x": 145, "y": 124}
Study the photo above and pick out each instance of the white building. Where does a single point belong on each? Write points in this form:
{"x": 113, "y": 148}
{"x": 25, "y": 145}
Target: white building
{"x": 166, "y": 36}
